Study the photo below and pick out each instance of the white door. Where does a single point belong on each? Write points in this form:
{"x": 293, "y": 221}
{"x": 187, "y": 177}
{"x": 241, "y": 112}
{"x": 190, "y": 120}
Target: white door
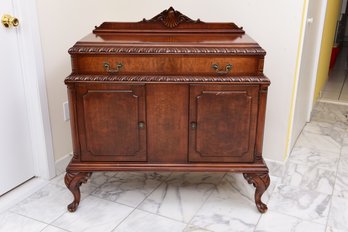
{"x": 309, "y": 64}
{"x": 16, "y": 158}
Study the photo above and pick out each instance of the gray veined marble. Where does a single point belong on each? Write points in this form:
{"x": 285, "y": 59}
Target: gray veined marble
{"x": 318, "y": 142}
{"x": 341, "y": 185}
{"x": 130, "y": 188}
{"x": 227, "y": 209}
{"x": 338, "y": 217}
{"x": 140, "y": 221}
{"x": 314, "y": 158}
{"x": 304, "y": 204}
{"x": 343, "y": 164}
{"x": 310, "y": 178}
{"x": 181, "y": 195}
{"x": 53, "y": 229}
{"x": 277, "y": 222}
{"x": 47, "y": 204}
{"x": 94, "y": 215}
{"x": 275, "y": 168}
{"x": 326, "y": 112}
{"x": 11, "y": 222}
{"x": 335, "y": 130}
{"x": 193, "y": 228}
{"x": 330, "y": 229}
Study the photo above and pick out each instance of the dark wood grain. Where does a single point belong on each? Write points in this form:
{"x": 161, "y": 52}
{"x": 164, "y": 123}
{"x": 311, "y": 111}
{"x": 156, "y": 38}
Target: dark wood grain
{"x": 167, "y": 117}
{"x": 160, "y": 105}
{"x": 109, "y": 117}
{"x": 225, "y": 118}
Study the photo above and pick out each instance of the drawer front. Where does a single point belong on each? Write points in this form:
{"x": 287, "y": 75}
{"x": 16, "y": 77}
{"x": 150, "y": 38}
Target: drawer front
{"x": 111, "y": 122}
{"x": 168, "y": 65}
{"x": 222, "y": 123}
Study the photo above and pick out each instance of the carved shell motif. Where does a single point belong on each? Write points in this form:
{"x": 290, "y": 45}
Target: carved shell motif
{"x": 171, "y": 18}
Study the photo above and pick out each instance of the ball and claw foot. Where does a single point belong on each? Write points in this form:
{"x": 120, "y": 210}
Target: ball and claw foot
{"x": 73, "y": 181}
{"x": 261, "y": 182}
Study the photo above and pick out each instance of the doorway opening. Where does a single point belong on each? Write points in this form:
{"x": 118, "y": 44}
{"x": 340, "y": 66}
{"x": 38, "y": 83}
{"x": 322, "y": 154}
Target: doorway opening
{"x": 336, "y": 87}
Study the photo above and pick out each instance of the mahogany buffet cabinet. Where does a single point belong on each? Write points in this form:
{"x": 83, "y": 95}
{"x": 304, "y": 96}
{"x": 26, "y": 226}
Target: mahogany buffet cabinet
{"x": 167, "y": 94}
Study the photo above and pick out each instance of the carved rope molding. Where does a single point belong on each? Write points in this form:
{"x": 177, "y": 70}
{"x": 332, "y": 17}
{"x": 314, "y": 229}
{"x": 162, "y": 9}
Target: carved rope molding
{"x": 142, "y": 78}
{"x": 165, "y": 50}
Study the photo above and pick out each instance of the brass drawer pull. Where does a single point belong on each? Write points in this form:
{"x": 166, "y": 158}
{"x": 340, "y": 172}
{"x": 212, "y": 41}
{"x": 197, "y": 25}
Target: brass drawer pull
{"x": 228, "y": 69}
{"x": 108, "y": 69}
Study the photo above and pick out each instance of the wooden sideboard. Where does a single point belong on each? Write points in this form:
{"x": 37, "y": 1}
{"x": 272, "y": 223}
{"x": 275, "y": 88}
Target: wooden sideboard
{"x": 167, "y": 94}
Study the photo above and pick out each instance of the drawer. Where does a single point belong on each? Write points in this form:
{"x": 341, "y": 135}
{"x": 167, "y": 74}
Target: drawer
{"x": 168, "y": 64}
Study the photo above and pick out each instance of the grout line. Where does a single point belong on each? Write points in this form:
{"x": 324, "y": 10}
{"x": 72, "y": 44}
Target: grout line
{"x": 205, "y": 201}
{"x": 29, "y": 217}
{"x": 341, "y": 90}
{"x": 136, "y": 208}
{"x": 333, "y": 189}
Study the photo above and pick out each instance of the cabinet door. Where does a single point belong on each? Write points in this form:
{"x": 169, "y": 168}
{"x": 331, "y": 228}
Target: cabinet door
{"x": 111, "y": 120}
{"x": 222, "y": 123}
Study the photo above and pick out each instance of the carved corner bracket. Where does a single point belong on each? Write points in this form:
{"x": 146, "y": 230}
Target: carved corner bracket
{"x": 261, "y": 182}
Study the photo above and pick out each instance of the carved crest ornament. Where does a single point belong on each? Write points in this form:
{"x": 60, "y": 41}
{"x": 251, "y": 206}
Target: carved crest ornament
{"x": 171, "y": 18}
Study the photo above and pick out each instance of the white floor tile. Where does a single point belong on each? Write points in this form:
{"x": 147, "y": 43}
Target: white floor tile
{"x": 227, "y": 210}
{"x": 328, "y": 112}
{"x": 20, "y": 193}
{"x": 309, "y": 177}
{"x": 306, "y": 205}
{"x": 193, "y": 228}
{"x": 339, "y": 213}
{"x": 335, "y": 130}
{"x": 130, "y": 188}
{"x": 318, "y": 142}
{"x": 341, "y": 185}
{"x": 275, "y": 168}
{"x": 181, "y": 195}
{"x": 53, "y": 229}
{"x": 331, "y": 229}
{"x": 276, "y": 222}
{"x": 47, "y": 204}
{"x": 94, "y": 215}
{"x": 140, "y": 221}
{"x": 314, "y": 158}
{"x": 11, "y": 222}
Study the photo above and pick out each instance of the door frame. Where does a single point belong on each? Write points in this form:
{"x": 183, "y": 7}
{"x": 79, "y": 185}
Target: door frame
{"x": 290, "y": 139}
{"x": 316, "y": 59}
{"x": 33, "y": 75}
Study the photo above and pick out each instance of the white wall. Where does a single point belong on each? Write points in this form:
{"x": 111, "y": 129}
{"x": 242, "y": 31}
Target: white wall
{"x": 275, "y": 24}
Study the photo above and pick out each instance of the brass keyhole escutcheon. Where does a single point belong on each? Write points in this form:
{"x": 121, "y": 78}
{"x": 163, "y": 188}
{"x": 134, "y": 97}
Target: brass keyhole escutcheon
{"x": 9, "y": 21}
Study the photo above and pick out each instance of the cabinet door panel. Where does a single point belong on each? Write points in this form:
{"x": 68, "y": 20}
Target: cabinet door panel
{"x": 223, "y": 123}
{"x": 112, "y": 123}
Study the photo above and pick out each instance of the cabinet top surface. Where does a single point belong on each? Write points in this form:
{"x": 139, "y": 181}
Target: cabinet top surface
{"x": 169, "y": 29}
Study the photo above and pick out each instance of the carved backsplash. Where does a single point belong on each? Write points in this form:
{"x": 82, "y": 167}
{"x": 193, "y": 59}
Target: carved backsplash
{"x": 171, "y": 18}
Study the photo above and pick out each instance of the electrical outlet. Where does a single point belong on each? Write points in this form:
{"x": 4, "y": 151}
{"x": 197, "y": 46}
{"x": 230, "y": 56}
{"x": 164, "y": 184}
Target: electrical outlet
{"x": 66, "y": 111}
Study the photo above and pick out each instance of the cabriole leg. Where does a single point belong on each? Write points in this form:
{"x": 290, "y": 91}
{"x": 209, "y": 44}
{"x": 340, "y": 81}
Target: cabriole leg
{"x": 261, "y": 182}
{"x": 73, "y": 181}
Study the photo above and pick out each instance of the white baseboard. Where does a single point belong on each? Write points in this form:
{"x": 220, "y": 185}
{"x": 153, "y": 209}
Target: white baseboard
{"x": 62, "y": 163}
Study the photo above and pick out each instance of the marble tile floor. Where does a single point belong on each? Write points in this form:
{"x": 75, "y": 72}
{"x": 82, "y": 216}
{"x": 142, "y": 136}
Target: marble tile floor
{"x": 307, "y": 193}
